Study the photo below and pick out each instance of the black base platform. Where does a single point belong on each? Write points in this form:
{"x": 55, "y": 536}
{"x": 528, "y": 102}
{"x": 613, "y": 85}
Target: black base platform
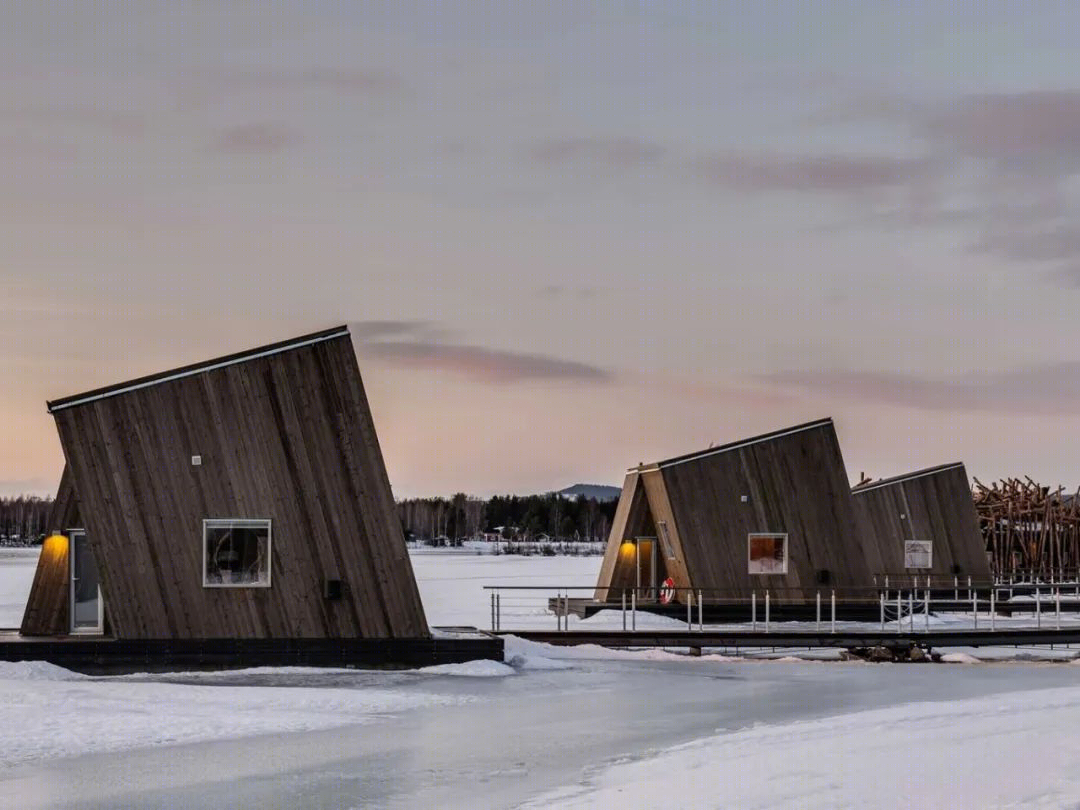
{"x": 845, "y": 639}
{"x": 102, "y": 655}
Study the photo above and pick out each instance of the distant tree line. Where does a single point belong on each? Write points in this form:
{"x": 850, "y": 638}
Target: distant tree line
{"x": 24, "y": 520}
{"x": 513, "y": 517}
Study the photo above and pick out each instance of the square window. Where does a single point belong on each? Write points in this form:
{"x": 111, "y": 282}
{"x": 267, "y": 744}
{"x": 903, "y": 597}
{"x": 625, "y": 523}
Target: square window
{"x": 918, "y": 554}
{"x": 236, "y": 553}
{"x": 768, "y": 554}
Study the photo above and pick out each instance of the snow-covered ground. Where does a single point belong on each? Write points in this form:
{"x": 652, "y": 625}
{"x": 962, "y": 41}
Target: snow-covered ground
{"x": 1013, "y": 750}
{"x": 553, "y": 727}
{"x": 16, "y": 573}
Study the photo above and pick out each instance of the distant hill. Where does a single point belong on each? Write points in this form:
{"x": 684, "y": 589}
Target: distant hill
{"x": 598, "y": 491}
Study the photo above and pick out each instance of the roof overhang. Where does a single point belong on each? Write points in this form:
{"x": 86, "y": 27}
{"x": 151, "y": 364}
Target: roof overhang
{"x": 197, "y": 368}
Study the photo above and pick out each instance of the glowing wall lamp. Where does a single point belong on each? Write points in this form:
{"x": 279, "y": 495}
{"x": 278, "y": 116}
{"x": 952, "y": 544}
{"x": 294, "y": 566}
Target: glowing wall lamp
{"x": 55, "y": 548}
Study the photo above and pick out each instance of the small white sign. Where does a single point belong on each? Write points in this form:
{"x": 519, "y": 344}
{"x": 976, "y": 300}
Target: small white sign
{"x": 196, "y": 461}
{"x": 918, "y": 554}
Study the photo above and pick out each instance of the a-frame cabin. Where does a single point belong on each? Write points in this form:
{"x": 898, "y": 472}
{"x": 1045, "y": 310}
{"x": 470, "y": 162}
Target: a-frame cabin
{"x": 923, "y": 523}
{"x": 243, "y": 497}
{"x": 771, "y": 512}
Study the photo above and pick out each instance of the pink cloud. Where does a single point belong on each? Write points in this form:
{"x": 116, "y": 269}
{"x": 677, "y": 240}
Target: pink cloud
{"x": 809, "y": 173}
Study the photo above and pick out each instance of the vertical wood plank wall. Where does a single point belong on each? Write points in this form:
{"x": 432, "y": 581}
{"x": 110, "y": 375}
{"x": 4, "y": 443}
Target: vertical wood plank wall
{"x": 287, "y": 437}
{"x": 794, "y": 482}
{"x": 936, "y": 505}
{"x": 628, "y": 521}
{"x": 46, "y": 612}
{"x": 660, "y": 510}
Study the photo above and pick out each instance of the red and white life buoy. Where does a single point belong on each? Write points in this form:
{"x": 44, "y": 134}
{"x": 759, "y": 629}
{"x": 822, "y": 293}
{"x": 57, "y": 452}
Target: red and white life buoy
{"x": 667, "y": 591}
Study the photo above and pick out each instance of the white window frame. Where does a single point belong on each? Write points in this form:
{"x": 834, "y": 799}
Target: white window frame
{"x": 929, "y": 555}
{"x": 665, "y": 539}
{"x": 85, "y": 630}
{"x": 239, "y": 523}
{"x": 749, "y": 542}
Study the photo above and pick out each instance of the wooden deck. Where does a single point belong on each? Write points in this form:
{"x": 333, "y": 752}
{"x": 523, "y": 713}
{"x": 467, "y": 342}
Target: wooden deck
{"x": 104, "y": 655}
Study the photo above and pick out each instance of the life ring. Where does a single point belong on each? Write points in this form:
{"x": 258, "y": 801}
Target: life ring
{"x": 667, "y": 591}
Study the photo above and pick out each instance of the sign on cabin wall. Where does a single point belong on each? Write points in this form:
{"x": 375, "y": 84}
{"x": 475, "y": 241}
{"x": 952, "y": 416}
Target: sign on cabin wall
{"x": 918, "y": 554}
{"x": 768, "y": 554}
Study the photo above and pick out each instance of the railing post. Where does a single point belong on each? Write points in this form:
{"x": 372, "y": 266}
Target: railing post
{"x": 766, "y": 611}
{"x": 689, "y": 611}
{"x": 1038, "y": 608}
{"x": 493, "y": 611}
{"x": 881, "y": 605}
{"x": 700, "y": 612}
{"x": 975, "y": 609}
{"x": 624, "y": 610}
{"x": 993, "y": 609}
{"x": 911, "y": 609}
{"x": 926, "y": 610}
{"x": 969, "y": 587}
{"x": 832, "y": 629}
{"x": 753, "y": 611}
{"x": 817, "y": 597}
{"x": 633, "y": 609}
{"x": 899, "y": 612}
{"x": 498, "y": 611}
{"x": 955, "y": 589}
{"x": 1057, "y": 601}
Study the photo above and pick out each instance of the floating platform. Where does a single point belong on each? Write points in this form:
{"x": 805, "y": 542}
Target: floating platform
{"x": 845, "y": 639}
{"x": 99, "y": 655}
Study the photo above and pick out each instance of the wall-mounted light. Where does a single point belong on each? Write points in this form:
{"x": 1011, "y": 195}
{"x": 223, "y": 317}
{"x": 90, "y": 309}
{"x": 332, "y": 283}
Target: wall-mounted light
{"x": 744, "y": 498}
{"x": 196, "y": 461}
{"x": 55, "y": 547}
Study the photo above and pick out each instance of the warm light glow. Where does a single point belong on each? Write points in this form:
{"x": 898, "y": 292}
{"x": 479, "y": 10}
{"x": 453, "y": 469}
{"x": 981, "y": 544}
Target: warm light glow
{"x": 55, "y": 546}
{"x": 627, "y": 547}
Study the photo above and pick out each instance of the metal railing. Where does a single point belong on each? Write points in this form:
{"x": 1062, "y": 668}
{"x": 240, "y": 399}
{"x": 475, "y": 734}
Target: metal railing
{"x": 899, "y": 607}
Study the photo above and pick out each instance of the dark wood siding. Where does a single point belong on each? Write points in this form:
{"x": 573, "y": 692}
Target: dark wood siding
{"x": 46, "y": 611}
{"x": 933, "y": 505}
{"x": 286, "y": 437}
{"x": 795, "y": 483}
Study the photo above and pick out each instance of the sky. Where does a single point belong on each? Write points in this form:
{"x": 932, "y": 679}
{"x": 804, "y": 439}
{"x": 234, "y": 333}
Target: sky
{"x": 568, "y": 237}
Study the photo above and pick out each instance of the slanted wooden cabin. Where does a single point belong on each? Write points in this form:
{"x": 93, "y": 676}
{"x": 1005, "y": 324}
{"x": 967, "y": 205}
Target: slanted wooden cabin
{"x": 240, "y": 498}
{"x": 923, "y": 523}
{"x": 772, "y": 512}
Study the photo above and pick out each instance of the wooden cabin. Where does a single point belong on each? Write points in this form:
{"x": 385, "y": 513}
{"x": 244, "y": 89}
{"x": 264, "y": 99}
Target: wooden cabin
{"x": 773, "y": 512}
{"x": 923, "y": 523}
{"x": 242, "y": 497}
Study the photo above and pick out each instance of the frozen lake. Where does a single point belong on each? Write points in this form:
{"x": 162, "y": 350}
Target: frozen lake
{"x": 591, "y": 729}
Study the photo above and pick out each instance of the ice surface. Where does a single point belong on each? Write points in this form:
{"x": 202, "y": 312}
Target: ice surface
{"x": 46, "y": 712}
{"x": 1012, "y": 750}
{"x": 733, "y": 732}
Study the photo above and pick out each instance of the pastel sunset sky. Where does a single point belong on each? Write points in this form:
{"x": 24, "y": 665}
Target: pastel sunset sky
{"x": 568, "y": 237}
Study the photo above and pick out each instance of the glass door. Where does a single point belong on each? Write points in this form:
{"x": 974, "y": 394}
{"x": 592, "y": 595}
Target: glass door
{"x": 646, "y": 568}
{"x": 87, "y": 613}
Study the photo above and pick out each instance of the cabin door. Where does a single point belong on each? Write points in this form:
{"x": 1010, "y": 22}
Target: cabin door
{"x": 646, "y": 568}
{"x": 86, "y": 608}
